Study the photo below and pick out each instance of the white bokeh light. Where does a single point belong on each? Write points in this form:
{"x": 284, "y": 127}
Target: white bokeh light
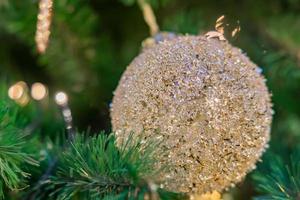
{"x": 61, "y": 98}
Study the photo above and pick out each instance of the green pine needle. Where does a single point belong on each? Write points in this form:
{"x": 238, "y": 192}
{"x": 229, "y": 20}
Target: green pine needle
{"x": 94, "y": 168}
{"x": 13, "y": 147}
{"x": 280, "y": 180}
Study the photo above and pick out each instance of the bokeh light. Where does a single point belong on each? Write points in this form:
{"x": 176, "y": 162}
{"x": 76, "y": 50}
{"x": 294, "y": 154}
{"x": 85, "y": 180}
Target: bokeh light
{"x": 38, "y": 91}
{"x": 17, "y": 90}
{"x": 61, "y": 98}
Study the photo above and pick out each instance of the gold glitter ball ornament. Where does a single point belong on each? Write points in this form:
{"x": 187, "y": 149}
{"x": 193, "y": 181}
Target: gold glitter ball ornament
{"x": 207, "y": 102}
{"x": 207, "y": 196}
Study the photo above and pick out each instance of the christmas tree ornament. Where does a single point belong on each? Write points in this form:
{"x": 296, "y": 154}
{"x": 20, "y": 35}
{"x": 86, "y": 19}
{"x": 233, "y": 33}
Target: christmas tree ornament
{"x": 207, "y": 102}
{"x": 43, "y": 25}
{"x": 207, "y": 196}
{"x": 204, "y": 99}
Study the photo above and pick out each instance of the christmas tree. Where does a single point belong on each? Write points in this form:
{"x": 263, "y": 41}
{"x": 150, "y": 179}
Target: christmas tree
{"x": 191, "y": 117}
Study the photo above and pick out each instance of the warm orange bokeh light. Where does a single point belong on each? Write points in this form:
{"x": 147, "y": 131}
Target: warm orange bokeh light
{"x": 38, "y": 91}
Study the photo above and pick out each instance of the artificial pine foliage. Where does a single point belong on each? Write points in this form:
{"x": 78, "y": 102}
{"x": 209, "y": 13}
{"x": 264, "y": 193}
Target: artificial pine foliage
{"x": 16, "y": 152}
{"x": 94, "y": 168}
{"x": 279, "y": 178}
{"x": 90, "y": 45}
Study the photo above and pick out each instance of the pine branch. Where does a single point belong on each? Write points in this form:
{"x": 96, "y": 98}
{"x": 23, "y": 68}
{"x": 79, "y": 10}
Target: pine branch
{"x": 13, "y": 149}
{"x": 94, "y": 168}
{"x": 280, "y": 180}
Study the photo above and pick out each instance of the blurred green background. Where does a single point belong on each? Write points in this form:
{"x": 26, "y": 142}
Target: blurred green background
{"x": 92, "y": 42}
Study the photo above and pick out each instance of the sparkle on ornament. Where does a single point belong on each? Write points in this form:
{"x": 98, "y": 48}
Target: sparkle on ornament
{"x": 235, "y": 31}
{"x": 38, "y": 91}
{"x": 220, "y": 24}
{"x": 61, "y": 98}
{"x": 206, "y": 101}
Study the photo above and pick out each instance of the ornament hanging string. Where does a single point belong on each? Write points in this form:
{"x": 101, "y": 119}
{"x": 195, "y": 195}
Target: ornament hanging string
{"x": 44, "y": 19}
{"x": 149, "y": 17}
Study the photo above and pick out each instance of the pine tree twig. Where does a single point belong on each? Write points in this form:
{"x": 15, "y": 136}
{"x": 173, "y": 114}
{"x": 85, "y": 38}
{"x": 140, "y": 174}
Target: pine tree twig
{"x": 279, "y": 179}
{"x": 15, "y": 148}
{"x": 95, "y": 167}
{"x": 37, "y": 187}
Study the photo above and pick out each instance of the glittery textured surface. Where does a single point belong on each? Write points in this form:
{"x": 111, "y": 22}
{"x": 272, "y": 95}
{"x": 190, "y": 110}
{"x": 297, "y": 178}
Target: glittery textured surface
{"x": 208, "y": 103}
{"x": 207, "y": 196}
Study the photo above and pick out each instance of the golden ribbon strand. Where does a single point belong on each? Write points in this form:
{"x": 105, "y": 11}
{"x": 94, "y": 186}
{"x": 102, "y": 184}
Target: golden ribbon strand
{"x": 149, "y": 17}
